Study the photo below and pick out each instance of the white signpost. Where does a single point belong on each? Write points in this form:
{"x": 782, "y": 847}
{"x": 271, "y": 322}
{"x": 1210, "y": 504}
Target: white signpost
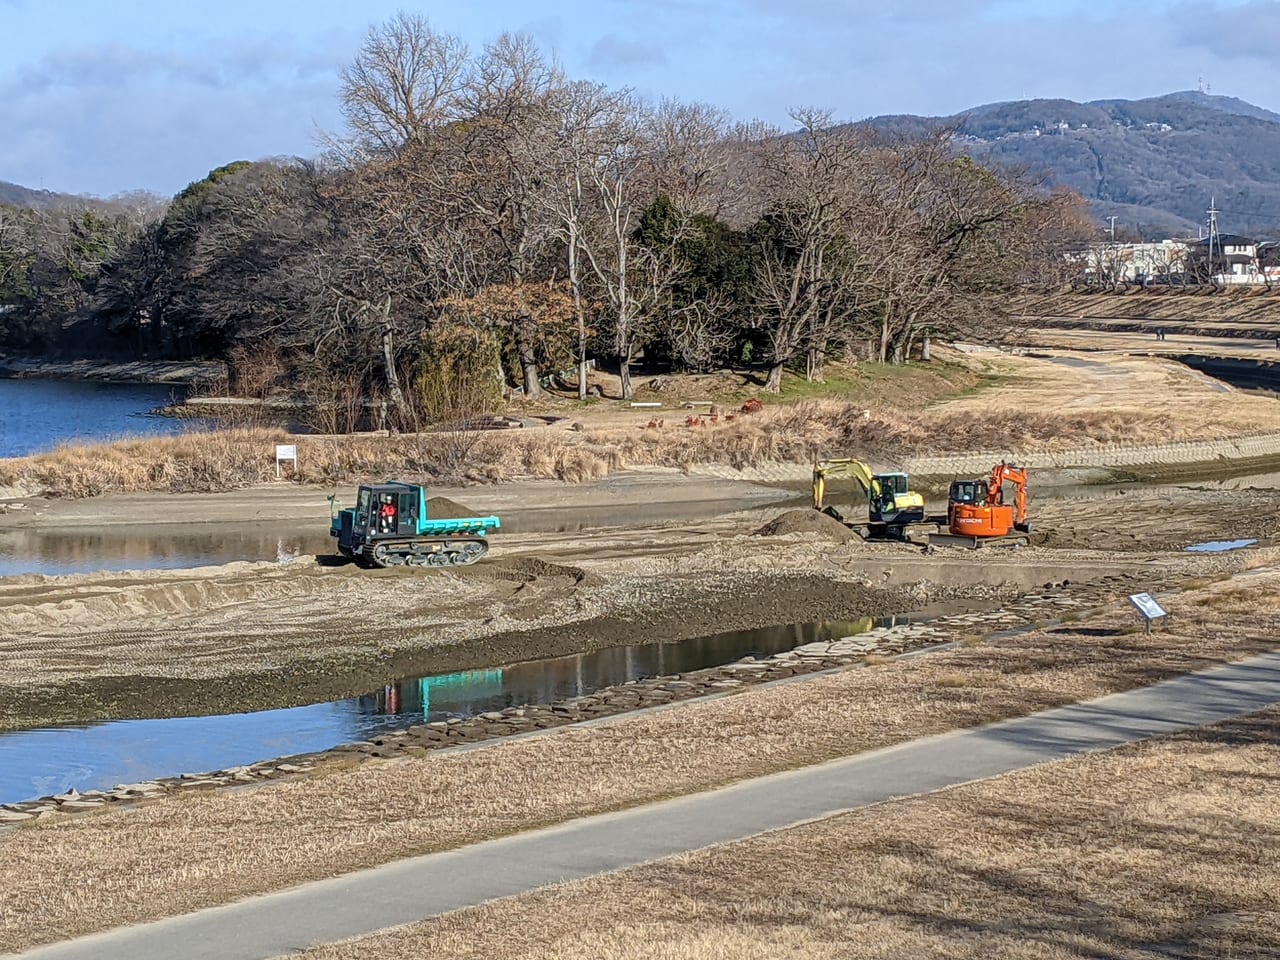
{"x": 1148, "y": 607}
{"x": 286, "y": 451}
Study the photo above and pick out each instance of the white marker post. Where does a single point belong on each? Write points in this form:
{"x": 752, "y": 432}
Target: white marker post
{"x": 286, "y": 451}
{"x": 1148, "y": 607}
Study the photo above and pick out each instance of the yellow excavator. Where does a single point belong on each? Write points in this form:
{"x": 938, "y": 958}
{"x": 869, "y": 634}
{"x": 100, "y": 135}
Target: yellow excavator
{"x": 892, "y": 507}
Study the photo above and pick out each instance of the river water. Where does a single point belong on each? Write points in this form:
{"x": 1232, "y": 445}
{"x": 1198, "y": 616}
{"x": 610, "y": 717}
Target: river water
{"x": 38, "y": 415}
{"x": 35, "y": 763}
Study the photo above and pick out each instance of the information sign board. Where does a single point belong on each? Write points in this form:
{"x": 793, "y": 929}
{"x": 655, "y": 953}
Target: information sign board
{"x": 1147, "y": 605}
{"x": 286, "y": 451}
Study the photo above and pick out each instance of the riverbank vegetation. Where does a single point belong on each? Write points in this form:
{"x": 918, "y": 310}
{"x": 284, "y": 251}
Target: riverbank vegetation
{"x": 793, "y": 433}
{"x": 486, "y": 225}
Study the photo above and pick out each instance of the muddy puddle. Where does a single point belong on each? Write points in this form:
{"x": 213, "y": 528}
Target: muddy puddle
{"x": 1220, "y": 546}
{"x": 58, "y": 552}
{"x": 36, "y": 763}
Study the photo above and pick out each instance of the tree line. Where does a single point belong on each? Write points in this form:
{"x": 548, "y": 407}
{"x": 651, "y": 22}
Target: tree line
{"x": 484, "y": 220}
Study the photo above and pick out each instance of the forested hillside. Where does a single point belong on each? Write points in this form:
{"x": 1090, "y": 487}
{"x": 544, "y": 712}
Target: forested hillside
{"x": 1155, "y": 164}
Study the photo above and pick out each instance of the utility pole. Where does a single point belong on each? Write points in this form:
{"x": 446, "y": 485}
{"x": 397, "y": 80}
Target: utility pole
{"x": 1113, "y": 258}
{"x": 1215, "y": 239}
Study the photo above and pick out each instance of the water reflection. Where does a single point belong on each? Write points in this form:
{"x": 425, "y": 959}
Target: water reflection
{"x": 157, "y": 547}
{"x": 57, "y": 552}
{"x": 1219, "y": 546}
{"x": 36, "y": 763}
{"x": 544, "y": 681}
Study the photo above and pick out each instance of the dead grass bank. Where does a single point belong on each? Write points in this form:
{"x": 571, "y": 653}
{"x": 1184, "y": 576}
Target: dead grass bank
{"x": 1207, "y": 305}
{"x": 59, "y": 879}
{"x": 205, "y": 462}
{"x": 1167, "y": 848}
{"x": 788, "y": 433}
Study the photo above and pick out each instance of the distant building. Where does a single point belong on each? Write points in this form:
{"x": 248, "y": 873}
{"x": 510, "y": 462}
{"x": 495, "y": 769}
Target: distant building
{"x": 1269, "y": 260}
{"x": 1224, "y": 258}
{"x": 1164, "y": 261}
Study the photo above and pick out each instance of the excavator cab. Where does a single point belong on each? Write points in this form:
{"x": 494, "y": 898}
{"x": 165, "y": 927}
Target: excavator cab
{"x": 977, "y": 508}
{"x": 891, "y": 496}
{"x": 965, "y": 492}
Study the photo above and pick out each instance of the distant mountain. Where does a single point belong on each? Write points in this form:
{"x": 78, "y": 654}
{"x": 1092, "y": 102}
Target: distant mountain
{"x": 18, "y": 196}
{"x": 1231, "y": 105}
{"x": 1154, "y": 164}
{"x": 134, "y": 203}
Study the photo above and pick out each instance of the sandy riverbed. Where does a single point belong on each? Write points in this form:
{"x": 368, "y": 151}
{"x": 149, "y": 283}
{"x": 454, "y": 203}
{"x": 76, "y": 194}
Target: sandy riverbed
{"x": 256, "y": 635}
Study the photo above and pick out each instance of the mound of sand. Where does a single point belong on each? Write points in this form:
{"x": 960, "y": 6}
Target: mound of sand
{"x": 532, "y": 568}
{"x": 810, "y": 522}
{"x": 442, "y": 508}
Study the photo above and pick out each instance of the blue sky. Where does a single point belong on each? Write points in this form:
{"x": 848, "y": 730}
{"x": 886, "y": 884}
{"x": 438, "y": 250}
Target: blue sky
{"x": 101, "y": 97}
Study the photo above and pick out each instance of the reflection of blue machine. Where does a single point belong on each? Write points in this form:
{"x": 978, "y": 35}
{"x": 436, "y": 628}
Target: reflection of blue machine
{"x": 459, "y": 688}
{"x": 440, "y": 693}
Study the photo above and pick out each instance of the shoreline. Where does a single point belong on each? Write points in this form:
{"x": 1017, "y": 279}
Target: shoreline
{"x": 99, "y": 371}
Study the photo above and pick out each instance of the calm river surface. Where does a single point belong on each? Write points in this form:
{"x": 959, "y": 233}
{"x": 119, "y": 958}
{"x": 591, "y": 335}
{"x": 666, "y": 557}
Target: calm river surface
{"x": 35, "y": 763}
{"x": 37, "y": 415}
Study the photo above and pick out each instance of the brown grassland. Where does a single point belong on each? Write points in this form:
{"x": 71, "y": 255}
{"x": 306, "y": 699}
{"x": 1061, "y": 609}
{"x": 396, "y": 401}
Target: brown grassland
{"x": 191, "y": 851}
{"x": 1169, "y": 848}
{"x": 1002, "y": 403}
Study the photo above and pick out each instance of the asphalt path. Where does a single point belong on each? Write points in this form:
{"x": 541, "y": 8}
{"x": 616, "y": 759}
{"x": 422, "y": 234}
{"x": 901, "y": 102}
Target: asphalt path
{"x": 361, "y": 903}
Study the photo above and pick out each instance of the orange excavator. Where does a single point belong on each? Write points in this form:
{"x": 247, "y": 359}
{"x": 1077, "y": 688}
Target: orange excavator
{"x": 977, "y": 508}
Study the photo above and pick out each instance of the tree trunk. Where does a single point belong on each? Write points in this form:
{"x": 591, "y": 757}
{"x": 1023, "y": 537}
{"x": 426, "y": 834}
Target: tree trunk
{"x": 579, "y": 312}
{"x": 528, "y": 360}
{"x": 389, "y": 364}
{"x": 817, "y": 363}
{"x": 924, "y": 349}
{"x": 504, "y": 385}
{"x": 773, "y": 383}
{"x": 898, "y": 345}
{"x": 624, "y": 375}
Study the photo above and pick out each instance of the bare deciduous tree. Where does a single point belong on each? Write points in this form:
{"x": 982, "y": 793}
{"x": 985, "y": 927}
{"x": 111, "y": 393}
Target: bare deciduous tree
{"x": 406, "y": 80}
{"x": 811, "y": 179}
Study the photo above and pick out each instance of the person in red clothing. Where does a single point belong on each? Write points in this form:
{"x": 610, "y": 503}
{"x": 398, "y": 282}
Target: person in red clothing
{"x": 387, "y": 515}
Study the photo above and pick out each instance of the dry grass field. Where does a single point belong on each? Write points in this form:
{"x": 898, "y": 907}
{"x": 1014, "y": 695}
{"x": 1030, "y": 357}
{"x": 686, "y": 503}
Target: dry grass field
{"x": 1200, "y": 306}
{"x": 1005, "y": 402}
{"x": 200, "y": 849}
{"x": 1169, "y": 848}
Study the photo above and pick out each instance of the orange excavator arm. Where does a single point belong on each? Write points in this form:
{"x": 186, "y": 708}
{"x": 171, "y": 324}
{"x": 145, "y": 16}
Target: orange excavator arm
{"x": 1016, "y": 476}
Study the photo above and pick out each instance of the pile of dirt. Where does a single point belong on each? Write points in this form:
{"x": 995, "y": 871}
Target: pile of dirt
{"x": 810, "y": 522}
{"x": 442, "y": 508}
{"x": 530, "y": 569}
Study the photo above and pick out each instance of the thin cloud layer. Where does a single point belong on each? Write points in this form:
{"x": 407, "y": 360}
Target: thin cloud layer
{"x": 159, "y": 102}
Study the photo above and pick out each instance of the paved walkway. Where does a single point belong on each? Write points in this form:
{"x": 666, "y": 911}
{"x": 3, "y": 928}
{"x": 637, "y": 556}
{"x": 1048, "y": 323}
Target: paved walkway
{"x": 408, "y": 890}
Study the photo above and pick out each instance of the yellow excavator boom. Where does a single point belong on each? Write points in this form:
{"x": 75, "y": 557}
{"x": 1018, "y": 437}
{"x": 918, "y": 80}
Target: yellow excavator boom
{"x": 887, "y": 494}
{"x": 835, "y": 469}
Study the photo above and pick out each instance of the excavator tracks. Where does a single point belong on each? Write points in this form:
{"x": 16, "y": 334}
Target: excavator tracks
{"x": 425, "y": 552}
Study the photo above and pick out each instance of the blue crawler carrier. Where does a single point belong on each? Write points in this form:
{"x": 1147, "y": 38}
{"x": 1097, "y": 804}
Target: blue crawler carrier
{"x": 389, "y": 527}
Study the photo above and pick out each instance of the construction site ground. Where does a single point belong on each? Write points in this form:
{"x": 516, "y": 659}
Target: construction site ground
{"x": 658, "y": 555}
{"x": 646, "y": 554}
{"x": 641, "y": 555}
{"x": 257, "y": 635}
